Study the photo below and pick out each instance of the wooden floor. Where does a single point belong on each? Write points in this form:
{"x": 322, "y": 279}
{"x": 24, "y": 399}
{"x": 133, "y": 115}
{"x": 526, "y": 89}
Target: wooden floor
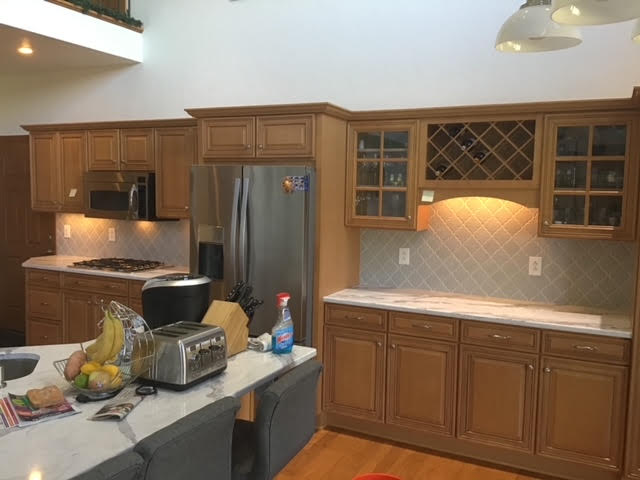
{"x": 338, "y": 456}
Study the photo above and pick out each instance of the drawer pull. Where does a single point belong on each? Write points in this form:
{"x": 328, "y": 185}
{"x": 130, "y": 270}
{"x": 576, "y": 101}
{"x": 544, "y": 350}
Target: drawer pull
{"x": 379, "y": 344}
{"x": 587, "y": 348}
{"x": 497, "y": 336}
{"x": 393, "y": 345}
{"x": 422, "y": 325}
{"x": 44, "y": 304}
{"x": 45, "y": 337}
{"x": 531, "y": 367}
{"x": 547, "y": 370}
{"x": 347, "y": 317}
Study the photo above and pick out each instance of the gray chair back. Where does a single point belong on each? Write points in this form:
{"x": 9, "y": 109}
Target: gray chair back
{"x": 196, "y": 447}
{"x": 127, "y": 466}
{"x": 286, "y": 419}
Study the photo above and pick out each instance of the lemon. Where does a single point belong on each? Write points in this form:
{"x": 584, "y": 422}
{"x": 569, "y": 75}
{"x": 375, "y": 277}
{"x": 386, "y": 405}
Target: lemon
{"x": 90, "y": 367}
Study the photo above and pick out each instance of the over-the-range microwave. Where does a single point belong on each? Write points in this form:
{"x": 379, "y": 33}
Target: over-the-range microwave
{"x": 120, "y": 195}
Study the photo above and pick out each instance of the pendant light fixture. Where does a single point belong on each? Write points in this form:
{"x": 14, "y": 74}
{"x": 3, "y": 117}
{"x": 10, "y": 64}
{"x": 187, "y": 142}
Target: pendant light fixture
{"x": 594, "y": 12}
{"x": 636, "y": 32}
{"x": 531, "y": 29}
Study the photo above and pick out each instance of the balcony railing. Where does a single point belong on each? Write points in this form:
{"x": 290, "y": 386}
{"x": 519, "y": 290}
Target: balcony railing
{"x": 114, "y": 11}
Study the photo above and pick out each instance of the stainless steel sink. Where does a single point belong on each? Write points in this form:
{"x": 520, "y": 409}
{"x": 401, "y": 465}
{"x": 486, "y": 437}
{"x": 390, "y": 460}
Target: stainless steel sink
{"x": 17, "y": 365}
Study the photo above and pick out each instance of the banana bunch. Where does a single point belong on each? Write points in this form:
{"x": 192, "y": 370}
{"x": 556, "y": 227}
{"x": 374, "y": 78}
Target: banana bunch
{"x": 109, "y": 343}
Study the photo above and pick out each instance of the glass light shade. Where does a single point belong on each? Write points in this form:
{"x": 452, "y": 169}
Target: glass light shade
{"x": 636, "y": 32}
{"x": 531, "y": 29}
{"x": 594, "y": 12}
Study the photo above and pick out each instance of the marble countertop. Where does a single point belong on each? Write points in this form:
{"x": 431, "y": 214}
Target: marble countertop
{"x": 510, "y": 312}
{"x": 62, "y": 263}
{"x": 62, "y": 448}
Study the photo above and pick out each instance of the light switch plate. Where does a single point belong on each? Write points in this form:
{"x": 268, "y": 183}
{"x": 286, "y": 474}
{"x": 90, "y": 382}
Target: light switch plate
{"x": 403, "y": 256}
{"x": 67, "y": 230}
{"x": 112, "y": 234}
{"x": 535, "y": 266}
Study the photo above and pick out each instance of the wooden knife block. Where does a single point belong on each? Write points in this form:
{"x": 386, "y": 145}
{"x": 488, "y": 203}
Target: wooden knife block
{"x": 233, "y": 320}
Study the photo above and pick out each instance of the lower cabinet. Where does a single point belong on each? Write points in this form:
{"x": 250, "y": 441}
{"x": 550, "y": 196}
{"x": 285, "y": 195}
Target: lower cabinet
{"x": 421, "y": 384}
{"x": 496, "y": 404}
{"x": 355, "y": 365}
{"x": 82, "y": 312}
{"x": 43, "y": 332}
{"x": 582, "y": 412}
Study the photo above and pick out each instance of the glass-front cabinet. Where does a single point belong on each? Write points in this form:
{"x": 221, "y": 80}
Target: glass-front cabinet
{"x": 381, "y": 175}
{"x": 589, "y": 181}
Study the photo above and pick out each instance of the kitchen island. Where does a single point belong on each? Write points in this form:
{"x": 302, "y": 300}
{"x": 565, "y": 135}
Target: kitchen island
{"x": 64, "y": 447}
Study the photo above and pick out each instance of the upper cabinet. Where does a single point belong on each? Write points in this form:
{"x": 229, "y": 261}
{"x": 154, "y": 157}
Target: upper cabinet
{"x": 104, "y": 150}
{"x": 174, "y": 154}
{"x": 261, "y": 137}
{"x": 381, "y": 176}
{"x": 136, "y": 150}
{"x": 485, "y": 152}
{"x": 590, "y": 176}
{"x": 73, "y": 164}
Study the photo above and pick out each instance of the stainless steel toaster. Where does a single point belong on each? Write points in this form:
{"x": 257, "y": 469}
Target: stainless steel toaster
{"x": 187, "y": 353}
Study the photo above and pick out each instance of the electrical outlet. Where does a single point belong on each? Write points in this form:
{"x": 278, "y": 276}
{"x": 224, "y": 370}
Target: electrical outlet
{"x": 67, "y": 231}
{"x": 535, "y": 266}
{"x": 112, "y": 234}
{"x": 403, "y": 256}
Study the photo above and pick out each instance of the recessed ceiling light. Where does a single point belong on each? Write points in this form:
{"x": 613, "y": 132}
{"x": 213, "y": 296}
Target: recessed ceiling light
{"x": 25, "y": 50}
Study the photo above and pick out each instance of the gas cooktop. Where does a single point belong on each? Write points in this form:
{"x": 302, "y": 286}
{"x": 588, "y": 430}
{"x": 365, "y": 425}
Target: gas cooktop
{"x": 119, "y": 264}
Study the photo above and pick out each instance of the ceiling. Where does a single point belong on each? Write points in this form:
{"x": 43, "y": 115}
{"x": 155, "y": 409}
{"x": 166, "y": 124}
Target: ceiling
{"x": 49, "y": 54}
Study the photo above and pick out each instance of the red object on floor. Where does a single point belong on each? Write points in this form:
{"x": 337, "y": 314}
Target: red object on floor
{"x": 376, "y": 476}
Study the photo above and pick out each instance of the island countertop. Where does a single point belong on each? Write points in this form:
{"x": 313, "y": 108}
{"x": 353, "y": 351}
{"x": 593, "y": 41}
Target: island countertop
{"x": 63, "y": 263}
{"x": 512, "y": 312}
{"x": 62, "y": 448}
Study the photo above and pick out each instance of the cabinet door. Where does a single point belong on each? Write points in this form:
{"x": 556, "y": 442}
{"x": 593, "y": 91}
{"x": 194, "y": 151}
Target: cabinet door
{"x": 73, "y": 158}
{"x": 496, "y": 405}
{"x": 354, "y": 378}
{"x": 633, "y": 433}
{"x": 46, "y": 180}
{"x": 421, "y": 379}
{"x": 80, "y": 317}
{"x": 104, "y": 149}
{"x": 582, "y": 412}
{"x": 590, "y": 181}
{"x": 175, "y": 153}
{"x": 381, "y": 176}
{"x": 42, "y": 332}
{"x": 285, "y": 136}
{"x": 137, "y": 150}
{"x": 231, "y": 137}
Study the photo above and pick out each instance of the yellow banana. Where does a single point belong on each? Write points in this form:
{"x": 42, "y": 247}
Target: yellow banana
{"x": 104, "y": 341}
{"x": 118, "y": 338}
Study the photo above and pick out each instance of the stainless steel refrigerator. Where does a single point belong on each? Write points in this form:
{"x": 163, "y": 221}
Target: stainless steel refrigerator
{"x": 256, "y": 224}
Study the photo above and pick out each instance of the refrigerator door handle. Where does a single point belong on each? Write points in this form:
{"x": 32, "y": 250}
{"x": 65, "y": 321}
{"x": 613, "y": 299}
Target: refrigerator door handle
{"x": 234, "y": 229}
{"x": 242, "y": 238}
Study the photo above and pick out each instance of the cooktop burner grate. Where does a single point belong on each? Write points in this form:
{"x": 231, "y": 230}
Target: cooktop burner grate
{"x": 119, "y": 264}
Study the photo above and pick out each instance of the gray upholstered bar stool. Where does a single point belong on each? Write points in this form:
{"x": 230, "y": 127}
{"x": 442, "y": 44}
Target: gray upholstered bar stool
{"x": 286, "y": 421}
{"x": 127, "y": 466}
{"x": 196, "y": 447}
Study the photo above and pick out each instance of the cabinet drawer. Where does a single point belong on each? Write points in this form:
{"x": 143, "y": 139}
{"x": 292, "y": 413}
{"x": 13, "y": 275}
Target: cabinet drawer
{"x": 135, "y": 289}
{"x": 44, "y": 333}
{"x": 86, "y": 283}
{"x": 44, "y": 303}
{"x": 504, "y": 336}
{"x": 356, "y": 317}
{"x": 586, "y": 347}
{"x": 423, "y": 325}
{"x": 43, "y": 278}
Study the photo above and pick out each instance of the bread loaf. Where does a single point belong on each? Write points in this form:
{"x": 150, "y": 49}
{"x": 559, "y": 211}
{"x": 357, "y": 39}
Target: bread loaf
{"x": 50, "y": 396}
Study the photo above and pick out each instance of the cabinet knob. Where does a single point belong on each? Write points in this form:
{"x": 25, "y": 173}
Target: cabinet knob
{"x": 379, "y": 344}
{"x": 45, "y": 337}
{"x": 546, "y": 223}
{"x": 186, "y": 207}
{"x": 531, "y": 367}
{"x": 248, "y": 146}
{"x": 547, "y": 370}
{"x": 44, "y": 304}
{"x": 393, "y": 345}
{"x": 260, "y": 146}
{"x": 89, "y": 302}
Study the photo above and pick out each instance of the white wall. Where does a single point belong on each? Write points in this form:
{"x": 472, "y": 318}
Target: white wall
{"x": 361, "y": 54}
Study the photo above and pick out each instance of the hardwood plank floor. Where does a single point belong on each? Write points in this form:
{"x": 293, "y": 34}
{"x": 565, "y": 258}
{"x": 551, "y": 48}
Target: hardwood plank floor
{"x": 339, "y": 456}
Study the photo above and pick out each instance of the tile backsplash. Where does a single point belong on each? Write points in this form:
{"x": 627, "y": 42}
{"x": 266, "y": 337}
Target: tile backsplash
{"x": 480, "y": 246}
{"x": 163, "y": 241}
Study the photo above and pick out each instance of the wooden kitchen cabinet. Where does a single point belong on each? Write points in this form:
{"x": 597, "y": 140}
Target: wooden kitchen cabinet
{"x": 497, "y": 399}
{"x": 46, "y": 175}
{"x": 175, "y": 152}
{"x": 284, "y": 136}
{"x": 355, "y": 372}
{"x": 81, "y": 317}
{"x": 43, "y": 332}
{"x": 421, "y": 384}
{"x": 268, "y": 136}
{"x": 582, "y": 411}
{"x": 589, "y": 185}
{"x": 73, "y": 163}
{"x": 633, "y": 435}
{"x": 137, "y": 150}
{"x": 381, "y": 176}
{"x": 104, "y": 150}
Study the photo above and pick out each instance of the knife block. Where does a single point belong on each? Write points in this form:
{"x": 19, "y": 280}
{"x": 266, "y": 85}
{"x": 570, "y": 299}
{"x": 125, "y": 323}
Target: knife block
{"x": 233, "y": 321}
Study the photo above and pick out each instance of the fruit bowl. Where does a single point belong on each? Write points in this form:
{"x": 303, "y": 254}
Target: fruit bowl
{"x": 124, "y": 350}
